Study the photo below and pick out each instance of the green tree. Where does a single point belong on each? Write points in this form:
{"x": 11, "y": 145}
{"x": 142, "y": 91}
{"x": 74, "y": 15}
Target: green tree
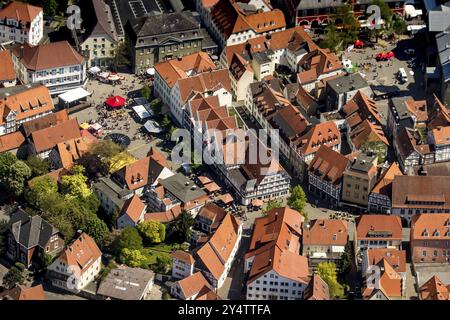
{"x": 163, "y": 264}
{"x": 98, "y": 159}
{"x": 152, "y": 231}
{"x": 331, "y": 39}
{"x": 166, "y": 123}
{"x": 133, "y": 258}
{"x": 12, "y": 277}
{"x": 38, "y": 166}
{"x": 121, "y": 55}
{"x": 3, "y": 228}
{"x": 297, "y": 200}
{"x": 398, "y": 25}
{"x": 40, "y": 190}
{"x": 166, "y": 296}
{"x": 345, "y": 263}
{"x": 129, "y": 238}
{"x": 156, "y": 106}
{"x": 146, "y": 92}
{"x": 96, "y": 228}
{"x": 181, "y": 227}
{"x": 327, "y": 271}
{"x": 272, "y": 204}
{"x": 13, "y": 173}
{"x": 75, "y": 185}
{"x": 50, "y": 7}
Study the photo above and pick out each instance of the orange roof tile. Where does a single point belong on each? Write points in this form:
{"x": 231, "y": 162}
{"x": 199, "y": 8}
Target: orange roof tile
{"x": 134, "y": 208}
{"x": 20, "y": 292}
{"x": 430, "y": 226}
{"x": 324, "y": 133}
{"x": 193, "y": 285}
{"x": 367, "y": 225}
{"x": 11, "y": 141}
{"x": 7, "y": 72}
{"x": 20, "y": 11}
{"x": 329, "y": 164}
{"x": 83, "y": 252}
{"x": 183, "y": 256}
{"x": 326, "y": 232}
{"x": 384, "y": 185}
{"x": 434, "y": 289}
{"x": 48, "y": 138}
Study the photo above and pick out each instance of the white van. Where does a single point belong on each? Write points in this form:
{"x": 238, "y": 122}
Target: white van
{"x": 402, "y": 76}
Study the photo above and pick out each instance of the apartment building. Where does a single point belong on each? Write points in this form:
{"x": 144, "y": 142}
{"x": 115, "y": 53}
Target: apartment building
{"x": 276, "y": 270}
{"x": 430, "y": 238}
{"x": 21, "y": 104}
{"x": 358, "y": 180}
{"x": 21, "y": 23}
{"x": 324, "y": 240}
{"x": 413, "y": 195}
{"x": 340, "y": 90}
{"x": 182, "y": 264}
{"x": 56, "y": 65}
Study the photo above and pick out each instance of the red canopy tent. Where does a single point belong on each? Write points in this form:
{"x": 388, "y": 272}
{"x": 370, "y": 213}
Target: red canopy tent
{"x": 115, "y": 101}
{"x": 390, "y": 55}
{"x": 359, "y": 44}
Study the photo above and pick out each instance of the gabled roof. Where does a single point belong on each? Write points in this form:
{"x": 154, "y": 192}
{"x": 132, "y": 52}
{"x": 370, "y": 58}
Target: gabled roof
{"x": 72, "y": 150}
{"x": 48, "y": 56}
{"x": 20, "y": 292}
{"x": 238, "y": 66}
{"x": 7, "y": 72}
{"x": 194, "y": 284}
{"x": 102, "y": 19}
{"x": 180, "y": 68}
{"x": 434, "y": 289}
{"x": 11, "y": 141}
{"x": 20, "y": 11}
{"x": 316, "y": 63}
{"x": 133, "y": 208}
{"x": 367, "y": 132}
{"x": 184, "y": 256}
{"x": 324, "y": 133}
{"x": 430, "y": 226}
{"x": 48, "y": 138}
{"x": 317, "y": 289}
{"x": 83, "y": 252}
{"x": 396, "y": 258}
{"x": 384, "y": 184}
{"x": 370, "y": 226}
{"x": 45, "y": 122}
{"x": 30, "y": 231}
{"x": 24, "y": 101}
{"x": 326, "y": 233}
{"x": 216, "y": 252}
{"x": 135, "y": 175}
{"x": 328, "y": 164}
{"x": 364, "y": 106}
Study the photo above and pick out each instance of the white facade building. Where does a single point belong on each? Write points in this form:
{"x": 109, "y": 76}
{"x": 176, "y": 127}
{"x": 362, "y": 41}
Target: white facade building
{"x": 21, "y": 23}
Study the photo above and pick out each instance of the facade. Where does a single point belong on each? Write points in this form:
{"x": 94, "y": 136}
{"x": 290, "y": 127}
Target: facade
{"x": 209, "y": 218}
{"x": 77, "y": 265}
{"x": 178, "y": 35}
{"x": 100, "y": 40}
{"x": 358, "y": 181}
{"x": 182, "y": 264}
{"x": 30, "y": 238}
{"x": 21, "y": 104}
{"x": 325, "y": 174}
{"x": 413, "y": 195}
{"x": 21, "y": 23}
{"x": 380, "y": 197}
{"x": 241, "y": 76}
{"x": 430, "y": 238}
{"x": 56, "y": 65}
{"x": 276, "y": 271}
{"x": 324, "y": 240}
{"x": 376, "y": 231}
{"x": 132, "y": 213}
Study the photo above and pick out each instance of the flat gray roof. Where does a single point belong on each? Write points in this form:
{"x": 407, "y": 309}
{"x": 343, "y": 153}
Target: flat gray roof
{"x": 182, "y": 187}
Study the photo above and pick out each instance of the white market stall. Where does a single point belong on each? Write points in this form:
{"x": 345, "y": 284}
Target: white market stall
{"x": 142, "y": 112}
{"x": 153, "y": 127}
{"x": 73, "y": 97}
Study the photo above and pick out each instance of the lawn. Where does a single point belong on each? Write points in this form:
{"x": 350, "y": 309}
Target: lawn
{"x": 161, "y": 250}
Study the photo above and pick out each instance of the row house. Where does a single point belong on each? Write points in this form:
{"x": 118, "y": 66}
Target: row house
{"x": 21, "y": 104}
{"x": 391, "y": 283}
{"x": 8, "y": 77}
{"x": 430, "y": 238}
{"x": 363, "y": 126}
{"x": 377, "y": 231}
{"x": 413, "y": 195}
{"x": 325, "y": 175}
{"x": 303, "y": 100}
{"x": 313, "y": 14}
{"x": 29, "y": 238}
{"x": 241, "y": 76}
{"x": 216, "y": 256}
{"x": 405, "y": 113}
{"x": 210, "y": 217}
{"x": 324, "y": 240}
{"x": 275, "y": 268}
{"x": 77, "y": 265}
{"x": 21, "y": 23}
{"x": 380, "y": 197}
{"x": 167, "y": 73}
{"x": 306, "y": 146}
{"x": 132, "y": 213}
{"x": 234, "y": 22}
{"x": 439, "y": 139}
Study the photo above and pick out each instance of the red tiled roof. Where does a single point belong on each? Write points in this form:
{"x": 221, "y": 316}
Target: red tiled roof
{"x": 326, "y": 233}
{"x": 134, "y": 208}
{"x": 434, "y": 289}
{"x": 11, "y": 141}
{"x": 193, "y": 285}
{"x": 83, "y": 252}
{"x": 369, "y": 224}
{"x": 20, "y": 11}
{"x": 48, "y": 138}
{"x": 324, "y": 133}
{"x": 7, "y": 72}
{"x": 329, "y": 164}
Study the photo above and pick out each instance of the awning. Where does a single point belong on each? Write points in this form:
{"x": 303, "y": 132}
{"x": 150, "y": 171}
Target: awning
{"x": 212, "y": 187}
{"x": 115, "y": 101}
{"x": 257, "y": 202}
{"x": 94, "y": 69}
{"x": 114, "y": 77}
{"x": 204, "y": 180}
{"x": 74, "y": 95}
{"x": 142, "y": 112}
{"x": 225, "y": 198}
{"x": 152, "y": 126}
{"x": 85, "y": 126}
{"x": 97, "y": 126}
{"x": 150, "y": 71}
{"x": 104, "y": 75}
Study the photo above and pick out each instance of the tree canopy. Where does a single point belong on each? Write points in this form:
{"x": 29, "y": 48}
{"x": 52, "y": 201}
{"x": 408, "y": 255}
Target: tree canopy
{"x": 328, "y": 272}
{"x": 133, "y": 258}
{"x": 181, "y": 227}
{"x": 38, "y": 166}
{"x": 272, "y": 204}
{"x": 129, "y": 238}
{"x": 12, "y": 277}
{"x": 297, "y": 200}
{"x": 13, "y": 174}
{"x": 152, "y": 231}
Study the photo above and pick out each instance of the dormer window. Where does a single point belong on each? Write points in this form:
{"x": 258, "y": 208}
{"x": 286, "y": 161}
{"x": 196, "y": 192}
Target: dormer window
{"x": 447, "y": 234}
{"x": 436, "y": 233}
{"x": 425, "y": 233}
{"x": 447, "y": 223}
